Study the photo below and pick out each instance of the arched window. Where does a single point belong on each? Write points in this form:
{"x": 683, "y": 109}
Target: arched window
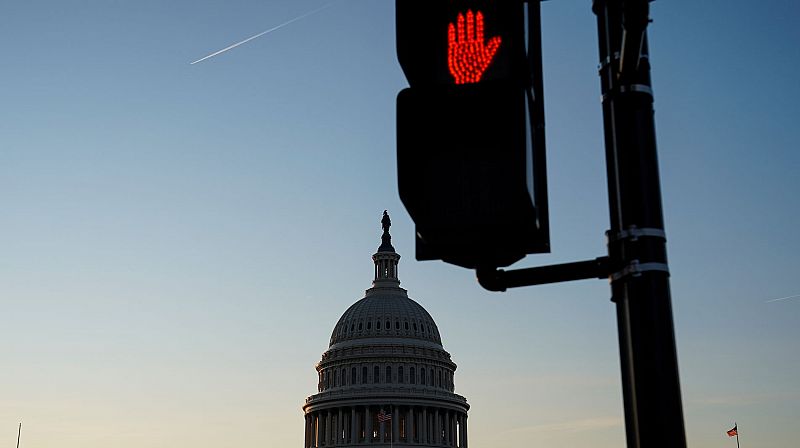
{"x": 388, "y": 374}
{"x": 369, "y": 325}
{"x": 335, "y": 378}
{"x": 440, "y": 378}
{"x": 400, "y": 372}
{"x": 406, "y": 326}
{"x": 411, "y": 376}
{"x": 376, "y": 375}
{"x": 397, "y": 325}
{"x": 388, "y": 325}
{"x": 364, "y": 375}
{"x": 344, "y": 376}
{"x": 415, "y": 326}
{"x": 353, "y": 376}
{"x": 422, "y": 376}
{"x": 360, "y": 326}
{"x": 352, "y": 327}
{"x": 378, "y": 325}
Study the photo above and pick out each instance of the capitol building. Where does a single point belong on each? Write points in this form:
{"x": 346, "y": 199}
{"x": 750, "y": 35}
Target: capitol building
{"x": 386, "y": 379}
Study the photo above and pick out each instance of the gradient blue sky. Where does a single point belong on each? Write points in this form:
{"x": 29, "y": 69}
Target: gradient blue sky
{"x": 179, "y": 240}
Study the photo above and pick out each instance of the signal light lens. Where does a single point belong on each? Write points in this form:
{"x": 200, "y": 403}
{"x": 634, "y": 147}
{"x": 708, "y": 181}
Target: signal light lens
{"x": 468, "y": 56}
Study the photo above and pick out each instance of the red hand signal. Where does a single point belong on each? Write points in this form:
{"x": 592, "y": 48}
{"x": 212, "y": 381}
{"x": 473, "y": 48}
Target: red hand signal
{"x": 467, "y": 56}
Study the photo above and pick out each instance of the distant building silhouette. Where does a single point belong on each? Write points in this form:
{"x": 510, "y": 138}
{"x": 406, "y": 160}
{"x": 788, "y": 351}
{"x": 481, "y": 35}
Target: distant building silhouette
{"x": 386, "y": 379}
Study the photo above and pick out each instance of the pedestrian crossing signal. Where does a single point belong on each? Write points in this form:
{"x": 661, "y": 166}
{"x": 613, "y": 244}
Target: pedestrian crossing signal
{"x": 458, "y": 42}
{"x": 470, "y": 130}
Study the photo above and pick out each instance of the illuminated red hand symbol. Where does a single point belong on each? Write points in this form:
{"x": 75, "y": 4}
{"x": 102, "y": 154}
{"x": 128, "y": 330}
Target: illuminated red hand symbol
{"x": 467, "y": 55}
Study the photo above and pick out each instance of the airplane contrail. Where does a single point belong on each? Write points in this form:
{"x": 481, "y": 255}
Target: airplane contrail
{"x": 783, "y": 298}
{"x": 230, "y": 47}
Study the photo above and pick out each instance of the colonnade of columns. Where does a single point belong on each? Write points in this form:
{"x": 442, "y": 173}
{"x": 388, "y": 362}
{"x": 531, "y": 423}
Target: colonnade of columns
{"x": 409, "y": 425}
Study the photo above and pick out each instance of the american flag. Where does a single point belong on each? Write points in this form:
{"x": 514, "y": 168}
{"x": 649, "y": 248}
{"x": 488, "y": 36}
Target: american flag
{"x": 384, "y": 417}
{"x": 734, "y": 431}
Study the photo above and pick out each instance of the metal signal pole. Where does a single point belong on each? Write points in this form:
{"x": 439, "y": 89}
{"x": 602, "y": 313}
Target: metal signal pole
{"x": 636, "y": 239}
{"x": 636, "y": 264}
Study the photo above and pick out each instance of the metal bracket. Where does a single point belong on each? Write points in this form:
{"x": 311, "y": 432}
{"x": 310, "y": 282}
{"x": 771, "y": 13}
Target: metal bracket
{"x": 607, "y": 61}
{"x": 636, "y": 269}
{"x": 500, "y": 280}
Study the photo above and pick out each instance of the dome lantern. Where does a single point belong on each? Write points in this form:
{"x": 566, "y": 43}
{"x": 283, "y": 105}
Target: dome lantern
{"x": 386, "y": 259}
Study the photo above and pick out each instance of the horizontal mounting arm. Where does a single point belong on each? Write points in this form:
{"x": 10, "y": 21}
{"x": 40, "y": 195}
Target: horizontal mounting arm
{"x": 500, "y": 280}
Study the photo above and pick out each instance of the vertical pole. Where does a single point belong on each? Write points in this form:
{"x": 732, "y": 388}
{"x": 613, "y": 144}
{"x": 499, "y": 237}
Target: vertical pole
{"x": 735, "y": 425}
{"x": 637, "y": 245}
{"x": 19, "y": 433}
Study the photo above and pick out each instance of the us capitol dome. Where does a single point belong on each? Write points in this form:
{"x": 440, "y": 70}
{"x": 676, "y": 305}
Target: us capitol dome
{"x": 386, "y": 379}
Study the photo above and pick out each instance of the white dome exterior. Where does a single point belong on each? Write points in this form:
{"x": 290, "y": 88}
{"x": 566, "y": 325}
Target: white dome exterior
{"x": 386, "y": 379}
{"x": 385, "y": 313}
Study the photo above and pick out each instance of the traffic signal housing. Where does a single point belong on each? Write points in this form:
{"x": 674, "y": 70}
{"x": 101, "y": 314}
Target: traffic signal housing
{"x": 470, "y": 130}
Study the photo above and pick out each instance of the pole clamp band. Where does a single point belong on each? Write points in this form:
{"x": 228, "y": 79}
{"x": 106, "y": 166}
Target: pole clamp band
{"x": 629, "y": 88}
{"x": 639, "y": 88}
{"x": 634, "y": 233}
{"x": 636, "y": 269}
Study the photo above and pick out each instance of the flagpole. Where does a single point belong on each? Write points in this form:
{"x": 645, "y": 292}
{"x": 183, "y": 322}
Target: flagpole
{"x": 19, "y": 433}
{"x": 735, "y": 425}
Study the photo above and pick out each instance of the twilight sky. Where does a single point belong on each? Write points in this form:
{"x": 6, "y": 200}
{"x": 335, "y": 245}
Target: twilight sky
{"x": 179, "y": 240}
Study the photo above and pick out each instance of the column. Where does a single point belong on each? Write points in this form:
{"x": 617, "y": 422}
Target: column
{"x": 457, "y": 428}
{"x": 320, "y": 428}
{"x": 452, "y": 423}
{"x": 466, "y": 435}
{"x": 305, "y": 436}
{"x": 451, "y": 433}
{"x": 327, "y": 433}
{"x": 424, "y": 434}
{"x": 360, "y": 425}
{"x": 381, "y": 428}
{"x": 460, "y": 423}
{"x": 437, "y": 425}
{"x": 410, "y": 425}
{"x": 334, "y": 424}
{"x": 453, "y": 429}
{"x": 368, "y": 424}
{"x": 353, "y": 428}
{"x": 339, "y": 428}
{"x": 396, "y": 425}
{"x": 457, "y": 438}
{"x": 447, "y": 432}
{"x": 310, "y": 435}
{"x": 315, "y": 430}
